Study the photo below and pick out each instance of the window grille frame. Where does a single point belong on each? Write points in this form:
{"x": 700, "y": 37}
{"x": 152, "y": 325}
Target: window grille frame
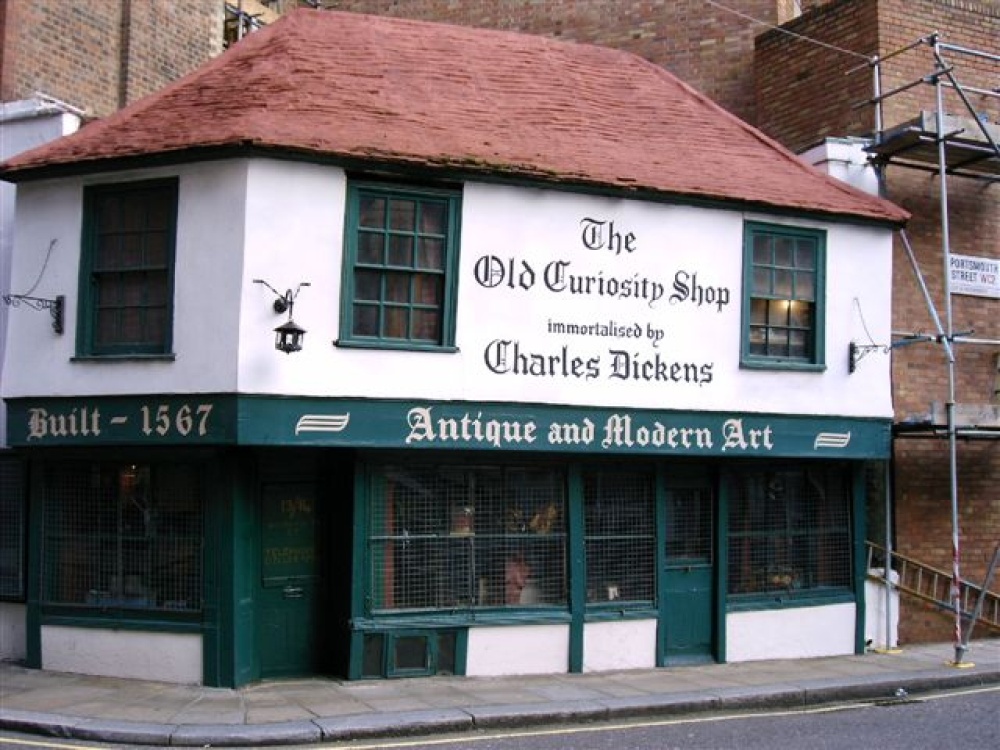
{"x": 483, "y": 545}
{"x": 157, "y": 278}
{"x": 785, "y": 579}
{"x": 615, "y": 594}
{"x": 119, "y": 593}
{"x": 14, "y": 527}
{"x": 451, "y": 200}
{"x": 755, "y": 271}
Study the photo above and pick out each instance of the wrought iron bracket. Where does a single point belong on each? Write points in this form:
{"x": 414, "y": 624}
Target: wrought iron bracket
{"x": 54, "y": 306}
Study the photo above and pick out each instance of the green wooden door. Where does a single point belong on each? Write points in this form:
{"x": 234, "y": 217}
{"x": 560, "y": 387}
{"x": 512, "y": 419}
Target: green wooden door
{"x": 688, "y": 602}
{"x": 289, "y": 581}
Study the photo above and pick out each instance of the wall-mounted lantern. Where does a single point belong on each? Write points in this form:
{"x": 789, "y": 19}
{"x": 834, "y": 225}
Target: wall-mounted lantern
{"x": 288, "y": 336}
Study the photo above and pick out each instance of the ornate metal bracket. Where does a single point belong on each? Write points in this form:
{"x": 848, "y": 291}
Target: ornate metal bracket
{"x": 54, "y": 306}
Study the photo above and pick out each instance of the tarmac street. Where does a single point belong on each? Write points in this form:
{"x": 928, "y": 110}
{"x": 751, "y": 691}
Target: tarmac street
{"x": 313, "y": 710}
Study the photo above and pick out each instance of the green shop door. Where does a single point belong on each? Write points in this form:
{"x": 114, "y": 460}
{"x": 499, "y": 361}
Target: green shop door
{"x": 688, "y": 601}
{"x": 289, "y": 585}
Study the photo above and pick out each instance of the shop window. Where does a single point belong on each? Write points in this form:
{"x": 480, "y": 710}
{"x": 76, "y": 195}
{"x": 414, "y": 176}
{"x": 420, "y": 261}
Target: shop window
{"x": 400, "y": 265}
{"x": 450, "y": 538}
{"x": 13, "y": 529}
{"x": 783, "y": 284}
{"x": 127, "y": 269}
{"x": 620, "y": 536}
{"x": 790, "y": 532}
{"x": 123, "y": 537}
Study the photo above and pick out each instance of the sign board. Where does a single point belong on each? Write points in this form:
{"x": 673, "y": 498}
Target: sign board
{"x": 979, "y": 277}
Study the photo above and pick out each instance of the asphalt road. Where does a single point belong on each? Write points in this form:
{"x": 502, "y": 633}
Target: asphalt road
{"x": 954, "y": 720}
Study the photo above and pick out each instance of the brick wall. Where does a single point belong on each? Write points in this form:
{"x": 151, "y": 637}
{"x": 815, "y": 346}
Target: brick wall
{"x": 100, "y": 55}
{"x": 805, "y": 93}
{"x": 704, "y": 45}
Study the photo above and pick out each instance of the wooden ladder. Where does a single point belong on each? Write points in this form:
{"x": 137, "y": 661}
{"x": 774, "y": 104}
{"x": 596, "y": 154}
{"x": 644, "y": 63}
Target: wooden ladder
{"x": 978, "y": 603}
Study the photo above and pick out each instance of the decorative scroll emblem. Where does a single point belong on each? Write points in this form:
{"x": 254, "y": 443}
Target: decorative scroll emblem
{"x": 322, "y": 423}
{"x": 832, "y": 440}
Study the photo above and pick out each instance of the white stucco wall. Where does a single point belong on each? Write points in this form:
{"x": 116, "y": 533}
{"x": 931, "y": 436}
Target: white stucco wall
{"x": 619, "y": 645}
{"x": 23, "y": 125}
{"x": 528, "y": 649}
{"x": 13, "y": 632}
{"x": 790, "y": 633}
{"x": 283, "y": 222}
{"x": 165, "y": 657}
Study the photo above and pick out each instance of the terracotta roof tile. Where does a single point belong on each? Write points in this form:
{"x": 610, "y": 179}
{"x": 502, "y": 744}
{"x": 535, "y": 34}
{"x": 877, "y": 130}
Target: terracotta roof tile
{"x": 350, "y": 86}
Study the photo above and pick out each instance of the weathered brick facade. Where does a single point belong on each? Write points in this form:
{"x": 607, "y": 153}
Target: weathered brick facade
{"x": 806, "y": 92}
{"x": 99, "y": 56}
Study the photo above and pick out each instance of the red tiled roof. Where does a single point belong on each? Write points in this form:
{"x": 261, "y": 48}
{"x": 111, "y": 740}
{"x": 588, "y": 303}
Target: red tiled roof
{"x": 356, "y": 87}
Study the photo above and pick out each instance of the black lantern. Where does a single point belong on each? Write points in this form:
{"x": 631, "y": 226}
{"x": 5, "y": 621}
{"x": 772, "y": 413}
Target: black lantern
{"x": 288, "y": 336}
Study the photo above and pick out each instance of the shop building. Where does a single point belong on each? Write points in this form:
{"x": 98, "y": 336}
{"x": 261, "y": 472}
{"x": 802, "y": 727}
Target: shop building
{"x": 573, "y": 391}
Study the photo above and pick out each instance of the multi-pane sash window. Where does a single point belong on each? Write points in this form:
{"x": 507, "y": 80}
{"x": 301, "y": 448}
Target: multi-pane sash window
{"x": 790, "y": 531}
{"x": 123, "y": 536}
{"x": 399, "y": 267}
{"x": 127, "y": 268}
{"x": 783, "y": 296}
{"x": 620, "y": 536}
{"x": 460, "y": 537}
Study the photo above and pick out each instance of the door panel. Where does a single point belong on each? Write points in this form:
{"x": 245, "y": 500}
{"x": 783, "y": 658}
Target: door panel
{"x": 688, "y": 616}
{"x": 289, "y": 580}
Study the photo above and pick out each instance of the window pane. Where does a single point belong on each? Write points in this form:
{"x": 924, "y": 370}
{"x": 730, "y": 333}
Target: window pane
{"x": 371, "y": 212}
{"x": 430, "y": 254}
{"x": 370, "y": 248}
{"x": 777, "y": 312}
{"x": 366, "y": 320}
{"x": 397, "y": 287}
{"x": 782, "y": 284}
{"x": 428, "y": 290}
{"x": 762, "y": 281}
{"x": 433, "y": 218}
{"x": 805, "y": 288}
{"x": 758, "y": 312}
{"x": 400, "y": 251}
{"x": 784, "y": 248}
{"x": 367, "y": 285}
{"x": 402, "y": 215}
{"x": 798, "y": 344}
{"x": 800, "y": 314}
{"x": 805, "y": 254}
{"x": 397, "y": 323}
{"x": 426, "y": 325}
{"x": 762, "y": 249}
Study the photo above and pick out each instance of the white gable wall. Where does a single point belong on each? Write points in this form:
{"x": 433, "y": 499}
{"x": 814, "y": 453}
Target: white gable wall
{"x": 289, "y": 216}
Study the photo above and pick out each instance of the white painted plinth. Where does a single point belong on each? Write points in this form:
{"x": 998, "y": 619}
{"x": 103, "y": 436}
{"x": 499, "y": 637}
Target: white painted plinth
{"x": 528, "y": 649}
{"x": 790, "y": 633}
{"x": 619, "y": 645}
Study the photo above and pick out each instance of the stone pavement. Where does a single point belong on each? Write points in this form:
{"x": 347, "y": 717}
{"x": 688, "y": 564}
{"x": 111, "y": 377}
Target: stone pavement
{"x": 313, "y": 710}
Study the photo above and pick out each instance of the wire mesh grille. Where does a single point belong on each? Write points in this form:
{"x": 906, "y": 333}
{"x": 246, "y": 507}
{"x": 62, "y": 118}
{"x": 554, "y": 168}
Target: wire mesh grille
{"x": 620, "y": 536}
{"x": 790, "y": 530}
{"x": 456, "y": 537}
{"x": 123, "y": 536}
{"x": 12, "y": 528}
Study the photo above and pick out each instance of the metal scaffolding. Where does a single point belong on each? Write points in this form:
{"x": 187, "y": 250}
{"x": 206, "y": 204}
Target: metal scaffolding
{"x": 948, "y": 146}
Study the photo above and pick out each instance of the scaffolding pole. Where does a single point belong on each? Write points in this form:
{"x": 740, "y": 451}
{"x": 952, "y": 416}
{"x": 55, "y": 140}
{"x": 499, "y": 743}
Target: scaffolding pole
{"x": 945, "y": 330}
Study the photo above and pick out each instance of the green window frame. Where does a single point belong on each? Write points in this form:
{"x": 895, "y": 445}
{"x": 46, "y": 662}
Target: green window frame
{"x": 783, "y": 297}
{"x": 790, "y": 533}
{"x": 127, "y": 269}
{"x": 400, "y": 267}
{"x": 121, "y": 540}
